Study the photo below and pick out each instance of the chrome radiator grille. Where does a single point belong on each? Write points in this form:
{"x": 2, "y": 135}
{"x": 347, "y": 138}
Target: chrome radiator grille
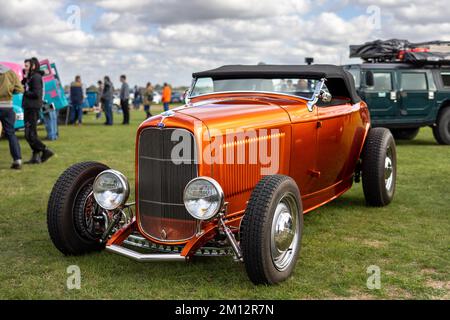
{"x": 161, "y": 183}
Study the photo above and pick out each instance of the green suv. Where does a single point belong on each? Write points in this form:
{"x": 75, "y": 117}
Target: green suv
{"x": 404, "y": 97}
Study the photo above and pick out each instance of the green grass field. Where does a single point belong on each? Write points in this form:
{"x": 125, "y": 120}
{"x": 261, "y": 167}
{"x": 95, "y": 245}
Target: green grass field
{"x": 409, "y": 240}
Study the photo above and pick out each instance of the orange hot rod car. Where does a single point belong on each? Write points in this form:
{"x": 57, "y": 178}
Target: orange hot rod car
{"x": 231, "y": 172}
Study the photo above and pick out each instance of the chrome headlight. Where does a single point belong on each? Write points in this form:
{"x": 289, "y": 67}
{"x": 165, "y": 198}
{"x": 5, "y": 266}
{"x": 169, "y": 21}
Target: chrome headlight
{"x": 203, "y": 198}
{"x": 111, "y": 189}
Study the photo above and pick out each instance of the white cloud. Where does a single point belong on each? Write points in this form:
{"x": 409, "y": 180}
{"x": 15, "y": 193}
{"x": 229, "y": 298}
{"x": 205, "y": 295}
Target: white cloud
{"x": 176, "y": 11}
{"x": 15, "y": 14}
{"x": 167, "y": 40}
{"x": 417, "y": 12}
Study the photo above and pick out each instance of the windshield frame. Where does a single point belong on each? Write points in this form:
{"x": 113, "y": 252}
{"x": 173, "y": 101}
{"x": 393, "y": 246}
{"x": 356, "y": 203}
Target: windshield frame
{"x": 313, "y": 97}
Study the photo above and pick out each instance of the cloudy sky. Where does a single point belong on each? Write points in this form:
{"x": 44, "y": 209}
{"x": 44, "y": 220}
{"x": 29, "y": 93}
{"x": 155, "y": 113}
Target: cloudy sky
{"x": 167, "y": 40}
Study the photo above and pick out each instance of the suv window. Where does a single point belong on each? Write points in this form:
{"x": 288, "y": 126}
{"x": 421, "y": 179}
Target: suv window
{"x": 414, "y": 81}
{"x": 356, "y": 73}
{"x": 382, "y": 81}
{"x": 446, "y": 79}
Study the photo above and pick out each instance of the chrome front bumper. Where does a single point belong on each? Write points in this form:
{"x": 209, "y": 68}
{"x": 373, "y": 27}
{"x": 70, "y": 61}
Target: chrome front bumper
{"x": 160, "y": 252}
{"x": 140, "y": 257}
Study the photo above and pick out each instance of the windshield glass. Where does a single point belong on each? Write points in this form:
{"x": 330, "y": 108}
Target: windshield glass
{"x": 293, "y": 86}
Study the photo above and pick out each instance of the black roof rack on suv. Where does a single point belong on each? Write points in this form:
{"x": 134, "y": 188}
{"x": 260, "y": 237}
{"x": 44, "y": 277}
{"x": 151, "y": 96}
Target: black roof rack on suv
{"x": 403, "y": 51}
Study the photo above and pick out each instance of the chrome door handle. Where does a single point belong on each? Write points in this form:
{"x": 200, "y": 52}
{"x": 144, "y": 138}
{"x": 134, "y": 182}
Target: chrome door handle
{"x": 393, "y": 95}
{"x": 430, "y": 95}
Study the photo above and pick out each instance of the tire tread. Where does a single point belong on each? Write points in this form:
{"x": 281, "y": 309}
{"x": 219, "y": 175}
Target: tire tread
{"x": 438, "y": 133}
{"x": 55, "y": 210}
{"x": 252, "y": 227}
{"x": 373, "y": 166}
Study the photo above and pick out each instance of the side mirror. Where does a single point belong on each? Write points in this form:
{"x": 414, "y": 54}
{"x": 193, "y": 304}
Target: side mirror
{"x": 187, "y": 93}
{"x": 370, "y": 81}
{"x": 325, "y": 96}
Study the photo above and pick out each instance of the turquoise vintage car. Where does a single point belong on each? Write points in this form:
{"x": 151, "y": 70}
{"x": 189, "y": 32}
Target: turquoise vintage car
{"x": 54, "y": 91}
{"x": 17, "y": 107}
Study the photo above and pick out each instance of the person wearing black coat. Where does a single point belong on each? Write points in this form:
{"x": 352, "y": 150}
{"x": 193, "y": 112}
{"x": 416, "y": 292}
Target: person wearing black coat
{"x": 32, "y": 104}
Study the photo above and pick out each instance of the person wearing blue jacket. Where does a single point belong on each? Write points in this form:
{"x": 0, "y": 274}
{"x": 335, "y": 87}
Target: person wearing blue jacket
{"x": 107, "y": 100}
{"x": 77, "y": 97}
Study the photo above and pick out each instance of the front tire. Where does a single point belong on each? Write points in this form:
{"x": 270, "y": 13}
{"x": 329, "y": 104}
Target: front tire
{"x": 379, "y": 167}
{"x": 271, "y": 230}
{"x": 72, "y": 231}
{"x": 405, "y": 133}
{"x": 441, "y": 131}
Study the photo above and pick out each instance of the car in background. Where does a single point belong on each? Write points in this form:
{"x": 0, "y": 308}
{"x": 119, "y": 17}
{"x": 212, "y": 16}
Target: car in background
{"x": 116, "y": 102}
{"x": 53, "y": 89}
{"x": 404, "y": 97}
{"x": 116, "y": 108}
{"x": 406, "y": 86}
{"x": 157, "y": 97}
{"x": 177, "y": 97}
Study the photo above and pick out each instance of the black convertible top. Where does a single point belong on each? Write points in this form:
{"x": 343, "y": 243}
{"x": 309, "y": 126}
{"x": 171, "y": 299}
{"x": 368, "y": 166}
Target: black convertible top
{"x": 339, "y": 82}
{"x": 271, "y": 70}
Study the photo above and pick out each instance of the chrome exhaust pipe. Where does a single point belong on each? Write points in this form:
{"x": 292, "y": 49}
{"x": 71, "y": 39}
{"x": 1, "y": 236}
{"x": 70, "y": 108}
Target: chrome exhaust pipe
{"x": 153, "y": 257}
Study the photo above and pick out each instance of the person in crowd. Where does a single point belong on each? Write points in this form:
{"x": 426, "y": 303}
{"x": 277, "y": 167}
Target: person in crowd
{"x": 148, "y": 99}
{"x": 98, "y": 103}
{"x": 290, "y": 86}
{"x": 9, "y": 85}
{"x": 302, "y": 85}
{"x": 166, "y": 96}
{"x": 107, "y": 100}
{"x": 137, "y": 100}
{"x": 77, "y": 97}
{"x": 125, "y": 99}
{"x": 32, "y": 104}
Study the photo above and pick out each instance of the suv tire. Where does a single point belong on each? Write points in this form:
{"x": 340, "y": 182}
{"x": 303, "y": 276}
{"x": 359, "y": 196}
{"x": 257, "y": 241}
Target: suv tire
{"x": 405, "y": 133}
{"x": 441, "y": 131}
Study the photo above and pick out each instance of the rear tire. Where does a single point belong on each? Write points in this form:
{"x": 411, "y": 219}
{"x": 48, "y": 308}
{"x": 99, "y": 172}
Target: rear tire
{"x": 271, "y": 230}
{"x": 66, "y": 210}
{"x": 379, "y": 167}
{"x": 405, "y": 133}
{"x": 441, "y": 131}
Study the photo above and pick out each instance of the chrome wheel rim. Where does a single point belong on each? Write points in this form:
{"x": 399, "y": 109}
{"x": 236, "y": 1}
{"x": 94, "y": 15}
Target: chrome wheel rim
{"x": 90, "y": 210}
{"x": 388, "y": 169}
{"x": 284, "y": 232}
